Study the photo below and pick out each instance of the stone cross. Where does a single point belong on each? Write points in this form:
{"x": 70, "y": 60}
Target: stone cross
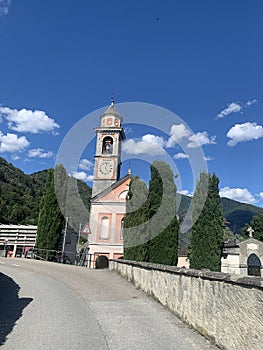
{"x": 250, "y": 231}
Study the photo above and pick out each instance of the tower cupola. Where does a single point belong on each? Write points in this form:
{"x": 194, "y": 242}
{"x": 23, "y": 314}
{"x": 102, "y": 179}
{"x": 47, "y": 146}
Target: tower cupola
{"x": 111, "y": 117}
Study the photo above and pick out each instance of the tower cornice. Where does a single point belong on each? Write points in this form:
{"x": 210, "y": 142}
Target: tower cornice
{"x": 110, "y": 130}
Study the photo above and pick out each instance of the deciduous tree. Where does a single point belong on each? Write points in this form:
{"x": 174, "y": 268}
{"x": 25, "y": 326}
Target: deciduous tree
{"x": 257, "y": 225}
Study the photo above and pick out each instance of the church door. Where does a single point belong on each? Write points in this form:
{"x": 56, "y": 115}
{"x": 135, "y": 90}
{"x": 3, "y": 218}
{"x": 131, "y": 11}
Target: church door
{"x": 253, "y": 265}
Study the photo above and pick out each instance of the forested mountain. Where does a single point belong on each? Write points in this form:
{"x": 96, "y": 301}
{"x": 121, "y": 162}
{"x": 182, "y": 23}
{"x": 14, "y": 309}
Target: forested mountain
{"x": 20, "y": 194}
{"x": 236, "y": 214}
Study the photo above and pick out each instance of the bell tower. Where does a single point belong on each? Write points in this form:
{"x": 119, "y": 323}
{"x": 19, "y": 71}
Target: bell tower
{"x": 110, "y": 134}
{"x": 108, "y": 202}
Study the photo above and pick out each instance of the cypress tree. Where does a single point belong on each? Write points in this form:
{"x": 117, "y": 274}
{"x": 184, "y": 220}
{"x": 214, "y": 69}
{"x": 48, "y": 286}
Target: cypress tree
{"x": 207, "y": 230}
{"x": 135, "y": 232}
{"x": 73, "y": 197}
{"x": 50, "y": 220}
{"x": 163, "y": 228}
{"x": 151, "y": 226}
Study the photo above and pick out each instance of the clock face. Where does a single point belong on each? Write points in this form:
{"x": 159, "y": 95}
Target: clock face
{"x": 105, "y": 168}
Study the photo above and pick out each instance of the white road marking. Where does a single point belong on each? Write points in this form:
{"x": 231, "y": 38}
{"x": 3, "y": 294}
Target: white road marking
{"x": 16, "y": 265}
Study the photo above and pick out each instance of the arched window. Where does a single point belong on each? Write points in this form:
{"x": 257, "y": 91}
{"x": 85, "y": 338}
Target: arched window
{"x": 107, "y": 145}
{"x": 104, "y": 228}
{"x": 122, "y": 228}
{"x": 123, "y": 194}
{"x": 253, "y": 265}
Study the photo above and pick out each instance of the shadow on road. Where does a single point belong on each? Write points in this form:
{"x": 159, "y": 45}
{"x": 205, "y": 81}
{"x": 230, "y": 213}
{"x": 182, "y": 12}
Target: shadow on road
{"x": 11, "y": 306}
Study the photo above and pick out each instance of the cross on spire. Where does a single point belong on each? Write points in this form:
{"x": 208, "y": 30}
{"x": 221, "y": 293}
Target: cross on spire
{"x": 112, "y": 99}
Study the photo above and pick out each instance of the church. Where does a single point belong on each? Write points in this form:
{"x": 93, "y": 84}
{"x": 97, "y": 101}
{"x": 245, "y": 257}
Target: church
{"x": 109, "y": 191}
{"x": 243, "y": 257}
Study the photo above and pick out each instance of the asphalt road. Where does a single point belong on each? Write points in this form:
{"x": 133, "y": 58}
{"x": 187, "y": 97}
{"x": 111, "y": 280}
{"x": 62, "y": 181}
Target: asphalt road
{"x": 54, "y": 306}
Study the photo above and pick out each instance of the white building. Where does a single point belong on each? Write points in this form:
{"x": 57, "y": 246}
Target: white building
{"x": 243, "y": 258}
{"x": 17, "y": 239}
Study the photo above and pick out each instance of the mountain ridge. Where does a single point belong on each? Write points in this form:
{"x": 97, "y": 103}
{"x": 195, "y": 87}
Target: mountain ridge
{"x": 20, "y": 196}
{"x": 236, "y": 214}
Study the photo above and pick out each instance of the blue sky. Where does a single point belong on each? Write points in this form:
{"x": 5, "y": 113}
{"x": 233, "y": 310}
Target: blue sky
{"x": 202, "y": 60}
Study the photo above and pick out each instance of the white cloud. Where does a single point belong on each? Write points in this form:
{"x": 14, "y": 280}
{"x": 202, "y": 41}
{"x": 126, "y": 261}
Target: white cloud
{"x": 4, "y": 6}
{"x": 149, "y": 144}
{"x": 234, "y": 107}
{"x": 186, "y": 193}
{"x": 181, "y": 156}
{"x": 231, "y": 108}
{"x": 85, "y": 164}
{"x": 39, "y": 153}
{"x": 15, "y": 157}
{"x": 244, "y": 132}
{"x": 239, "y": 194}
{"x": 199, "y": 139}
{"x": 260, "y": 195}
{"x": 154, "y": 145}
{"x": 26, "y": 120}
{"x": 208, "y": 158}
{"x": 12, "y": 143}
{"x": 155, "y": 140}
{"x": 177, "y": 133}
{"x": 81, "y": 175}
{"x": 250, "y": 103}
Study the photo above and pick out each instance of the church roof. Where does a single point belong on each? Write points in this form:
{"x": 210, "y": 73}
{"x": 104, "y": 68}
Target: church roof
{"x": 111, "y": 110}
{"x": 237, "y": 243}
{"x": 231, "y": 243}
{"x": 111, "y": 188}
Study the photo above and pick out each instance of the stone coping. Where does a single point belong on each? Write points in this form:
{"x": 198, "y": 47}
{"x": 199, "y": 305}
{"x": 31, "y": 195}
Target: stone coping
{"x": 245, "y": 281}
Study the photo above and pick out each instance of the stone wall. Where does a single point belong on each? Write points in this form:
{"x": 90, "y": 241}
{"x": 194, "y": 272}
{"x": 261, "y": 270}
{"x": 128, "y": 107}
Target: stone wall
{"x": 224, "y": 308}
